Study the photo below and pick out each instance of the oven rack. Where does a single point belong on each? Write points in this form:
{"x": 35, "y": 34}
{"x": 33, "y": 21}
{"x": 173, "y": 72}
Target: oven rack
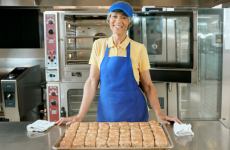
{"x": 87, "y": 24}
{"x": 82, "y": 36}
{"x": 81, "y": 101}
{"x": 85, "y": 62}
{"x": 95, "y": 109}
{"x": 80, "y": 59}
{"x": 79, "y": 49}
{"x": 80, "y": 95}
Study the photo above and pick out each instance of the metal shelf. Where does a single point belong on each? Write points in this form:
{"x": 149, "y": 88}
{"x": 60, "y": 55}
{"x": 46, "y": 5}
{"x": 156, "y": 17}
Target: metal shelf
{"x": 79, "y": 95}
{"x": 82, "y": 36}
{"x": 81, "y": 59}
{"x": 80, "y": 102}
{"x": 78, "y": 63}
{"x": 79, "y": 49}
{"x": 87, "y": 24}
{"x": 95, "y": 109}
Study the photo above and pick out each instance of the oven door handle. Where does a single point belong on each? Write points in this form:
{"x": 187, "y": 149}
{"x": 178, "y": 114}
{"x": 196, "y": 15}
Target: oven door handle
{"x": 78, "y": 74}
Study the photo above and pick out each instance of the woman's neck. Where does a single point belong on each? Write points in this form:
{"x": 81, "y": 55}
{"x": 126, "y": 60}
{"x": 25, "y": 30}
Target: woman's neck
{"x": 118, "y": 39}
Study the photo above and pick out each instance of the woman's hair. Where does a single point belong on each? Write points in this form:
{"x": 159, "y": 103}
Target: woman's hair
{"x": 118, "y": 11}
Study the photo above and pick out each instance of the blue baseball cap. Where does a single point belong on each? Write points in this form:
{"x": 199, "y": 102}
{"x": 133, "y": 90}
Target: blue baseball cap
{"x": 122, "y": 6}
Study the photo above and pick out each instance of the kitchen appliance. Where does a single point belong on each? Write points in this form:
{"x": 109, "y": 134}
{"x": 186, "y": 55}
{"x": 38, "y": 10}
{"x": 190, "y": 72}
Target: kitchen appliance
{"x": 1, "y": 107}
{"x": 170, "y": 39}
{"x": 21, "y": 93}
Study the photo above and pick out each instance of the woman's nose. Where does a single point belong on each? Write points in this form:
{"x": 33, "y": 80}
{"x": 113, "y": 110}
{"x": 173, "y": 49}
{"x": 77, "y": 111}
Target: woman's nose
{"x": 118, "y": 19}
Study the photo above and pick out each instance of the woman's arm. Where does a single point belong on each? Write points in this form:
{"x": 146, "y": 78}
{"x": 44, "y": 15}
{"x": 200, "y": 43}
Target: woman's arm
{"x": 90, "y": 88}
{"x": 152, "y": 97}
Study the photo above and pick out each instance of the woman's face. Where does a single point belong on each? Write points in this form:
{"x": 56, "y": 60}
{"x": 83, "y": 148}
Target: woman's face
{"x": 118, "y": 23}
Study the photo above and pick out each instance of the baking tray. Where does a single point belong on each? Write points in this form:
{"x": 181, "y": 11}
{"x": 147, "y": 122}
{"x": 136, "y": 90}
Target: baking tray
{"x": 170, "y": 144}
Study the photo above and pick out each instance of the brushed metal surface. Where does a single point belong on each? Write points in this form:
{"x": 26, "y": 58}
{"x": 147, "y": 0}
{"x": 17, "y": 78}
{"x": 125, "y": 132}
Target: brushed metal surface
{"x": 161, "y": 89}
{"x": 12, "y": 58}
{"x": 163, "y": 3}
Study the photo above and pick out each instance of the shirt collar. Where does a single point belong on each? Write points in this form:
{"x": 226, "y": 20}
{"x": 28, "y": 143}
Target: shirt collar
{"x": 123, "y": 45}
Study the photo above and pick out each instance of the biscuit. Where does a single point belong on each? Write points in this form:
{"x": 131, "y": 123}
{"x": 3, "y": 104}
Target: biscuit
{"x": 148, "y": 143}
{"x": 124, "y": 143}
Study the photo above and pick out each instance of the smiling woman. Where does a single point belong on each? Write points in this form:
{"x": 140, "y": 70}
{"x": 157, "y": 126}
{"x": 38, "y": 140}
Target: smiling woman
{"x": 118, "y": 63}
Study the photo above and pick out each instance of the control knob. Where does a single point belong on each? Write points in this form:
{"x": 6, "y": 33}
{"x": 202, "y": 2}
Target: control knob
{"x": 48, "y": 57}
{"x": 53, "y": 94}
{"x": 53, "y": 103}
{"x": 9, "y": 96}
{"x": 50, "y": 22}
{"x": 51, "y": 31}
{"x": 11, "y": 76}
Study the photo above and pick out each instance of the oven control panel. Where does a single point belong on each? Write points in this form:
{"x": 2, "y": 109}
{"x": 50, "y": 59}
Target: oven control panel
{"x": 51, "y": 44}
{"x": 53, "y": 103}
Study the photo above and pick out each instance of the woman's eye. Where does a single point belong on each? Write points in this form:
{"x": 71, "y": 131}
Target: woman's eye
{"x": 114, "y": 16}
{"x": 124, "y": 17}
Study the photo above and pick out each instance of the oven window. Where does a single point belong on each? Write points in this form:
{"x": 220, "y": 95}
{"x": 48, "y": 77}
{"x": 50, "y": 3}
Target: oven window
{"x": 80, "y": 33}
{"x": 74, "y": 98}
{"x": 167, "y": 36}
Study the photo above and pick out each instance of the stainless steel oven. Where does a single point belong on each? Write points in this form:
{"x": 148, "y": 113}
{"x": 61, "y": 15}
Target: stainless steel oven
{"x": 71, "y": 98}
{"x": 170, "y": 39}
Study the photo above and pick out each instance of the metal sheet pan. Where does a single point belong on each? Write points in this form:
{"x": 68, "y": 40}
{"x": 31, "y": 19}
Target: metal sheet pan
{"x": 170, "y": 144}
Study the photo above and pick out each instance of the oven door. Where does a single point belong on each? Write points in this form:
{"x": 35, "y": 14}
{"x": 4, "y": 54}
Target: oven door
{"x": 71, "y": 98}
{"x": 170, "y": 39}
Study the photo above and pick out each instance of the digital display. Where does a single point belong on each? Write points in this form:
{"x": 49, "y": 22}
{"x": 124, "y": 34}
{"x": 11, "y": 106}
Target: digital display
{"x": 51, "y": 41}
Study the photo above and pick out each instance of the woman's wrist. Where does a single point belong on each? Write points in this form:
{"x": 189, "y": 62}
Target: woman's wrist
{"x": 159, "y": 114}
{"x": 80, "y": 117}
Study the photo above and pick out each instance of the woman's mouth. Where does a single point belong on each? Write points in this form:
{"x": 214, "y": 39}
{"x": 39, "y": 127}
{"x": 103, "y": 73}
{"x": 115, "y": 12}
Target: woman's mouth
{"x": 118, "y": 26}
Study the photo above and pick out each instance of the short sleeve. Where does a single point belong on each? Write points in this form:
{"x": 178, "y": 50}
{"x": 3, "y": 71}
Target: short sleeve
{"x": 94, "y": 53}
{"x": 144, "y": 59}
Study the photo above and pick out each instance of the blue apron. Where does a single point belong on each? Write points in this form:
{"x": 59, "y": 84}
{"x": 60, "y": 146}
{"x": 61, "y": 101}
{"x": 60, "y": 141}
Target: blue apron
{"x": 120, "y": 98}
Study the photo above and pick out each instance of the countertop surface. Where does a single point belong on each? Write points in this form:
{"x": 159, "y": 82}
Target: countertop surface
{"x": 208, "y": 135}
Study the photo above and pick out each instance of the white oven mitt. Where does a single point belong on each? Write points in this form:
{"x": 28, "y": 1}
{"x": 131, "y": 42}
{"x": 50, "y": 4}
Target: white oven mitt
{"x": 39, "y": 126}
{"x": 182, "y": 129}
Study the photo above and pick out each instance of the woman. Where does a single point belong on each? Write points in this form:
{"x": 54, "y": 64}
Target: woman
{"x": 118, "y": 63}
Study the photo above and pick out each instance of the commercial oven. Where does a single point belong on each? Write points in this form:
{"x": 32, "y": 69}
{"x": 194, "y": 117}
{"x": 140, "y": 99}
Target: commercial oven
{"x": 170, "y": 39}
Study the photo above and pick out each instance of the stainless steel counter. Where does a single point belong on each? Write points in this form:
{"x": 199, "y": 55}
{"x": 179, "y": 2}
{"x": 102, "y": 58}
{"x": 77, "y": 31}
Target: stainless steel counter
{"x": 209, "y": 135}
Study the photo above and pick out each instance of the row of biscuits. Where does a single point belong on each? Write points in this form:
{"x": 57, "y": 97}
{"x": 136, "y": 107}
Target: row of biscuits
{"x": 102, "y": 137}
{"x": 136, "y": 134}
{"x": 69, "y": 135}
{"x": 122, "y": 134}
{"x": 148, "y": 138}
{"x": 160, "y": 137}
{"x": 125, "y": 138}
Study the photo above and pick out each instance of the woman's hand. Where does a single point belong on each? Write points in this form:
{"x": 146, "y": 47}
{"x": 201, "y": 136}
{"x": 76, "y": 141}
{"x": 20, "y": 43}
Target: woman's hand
{"x": 166, "y": 119}
{"x": 69, "y": 120}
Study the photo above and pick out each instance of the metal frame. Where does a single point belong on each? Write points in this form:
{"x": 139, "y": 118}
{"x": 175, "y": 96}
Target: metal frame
{"x": 225, "y": 105}
{"x": 84, "y": 68}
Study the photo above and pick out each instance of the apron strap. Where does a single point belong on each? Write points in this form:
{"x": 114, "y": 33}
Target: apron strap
{"x": 128, "y": 51}
{"x": 107, "y": 51}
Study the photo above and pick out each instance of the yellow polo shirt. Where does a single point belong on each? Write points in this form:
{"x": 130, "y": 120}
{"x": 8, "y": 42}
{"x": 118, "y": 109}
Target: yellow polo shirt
{"x": 138, "y": 54}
